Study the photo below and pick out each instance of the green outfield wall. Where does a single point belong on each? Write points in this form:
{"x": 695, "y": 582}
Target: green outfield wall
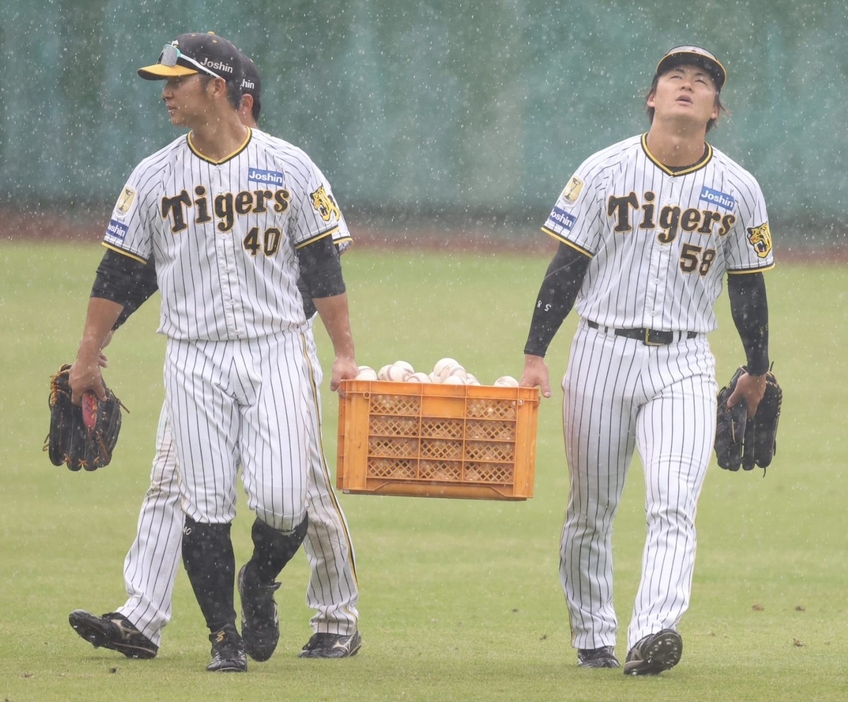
{"x": 431, "y": 106}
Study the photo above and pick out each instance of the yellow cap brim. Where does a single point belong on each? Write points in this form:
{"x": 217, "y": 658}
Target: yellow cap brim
{"x": 159, "y": 72}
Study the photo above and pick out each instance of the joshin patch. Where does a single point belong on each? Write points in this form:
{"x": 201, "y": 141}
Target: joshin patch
{"x": 760, "y": 239}
{"x": 115, "y": 232}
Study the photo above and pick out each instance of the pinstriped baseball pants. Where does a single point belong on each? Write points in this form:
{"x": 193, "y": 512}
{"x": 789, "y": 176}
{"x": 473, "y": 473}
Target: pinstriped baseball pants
{"x": 240, "y": 401}
{"x": 151, "y": 563}
{"x": 621, "y": 395}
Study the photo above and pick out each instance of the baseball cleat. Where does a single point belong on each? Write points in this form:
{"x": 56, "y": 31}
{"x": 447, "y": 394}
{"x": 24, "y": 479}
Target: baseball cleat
{"x": 654, "y": 653}
{"x": 113, "y": 631}
{"x": 603, "y": 657}
{"x": 260, "y": 625}
{"x": 323, "y": 645}
{"x": 227, "y": 652}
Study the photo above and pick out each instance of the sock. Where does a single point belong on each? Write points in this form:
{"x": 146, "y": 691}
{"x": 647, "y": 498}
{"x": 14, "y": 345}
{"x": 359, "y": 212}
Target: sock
{"x": 272, "y": 549}
{"x": 211, "y": 568}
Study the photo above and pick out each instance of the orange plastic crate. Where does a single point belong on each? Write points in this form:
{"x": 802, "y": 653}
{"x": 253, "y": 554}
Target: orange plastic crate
{"x": 431, "y": 440}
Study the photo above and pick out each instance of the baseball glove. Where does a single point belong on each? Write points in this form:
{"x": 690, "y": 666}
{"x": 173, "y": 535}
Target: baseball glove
{"x": 81, "y": 436}
{"x": 747, "y": 441}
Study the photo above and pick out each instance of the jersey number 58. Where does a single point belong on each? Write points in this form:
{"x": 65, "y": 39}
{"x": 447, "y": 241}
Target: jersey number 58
{"x": 694, "y": 258}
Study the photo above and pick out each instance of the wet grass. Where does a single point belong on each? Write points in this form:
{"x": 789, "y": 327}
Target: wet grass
{"x": 460, "y": 599}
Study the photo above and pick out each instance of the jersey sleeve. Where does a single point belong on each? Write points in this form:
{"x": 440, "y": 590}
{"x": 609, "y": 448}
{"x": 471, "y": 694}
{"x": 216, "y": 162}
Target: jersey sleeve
{"x": 575, "y": 217}
{"x": 748, "y": 244}
{"x": 128, "y": 231}
{"x": 316, "y": 213}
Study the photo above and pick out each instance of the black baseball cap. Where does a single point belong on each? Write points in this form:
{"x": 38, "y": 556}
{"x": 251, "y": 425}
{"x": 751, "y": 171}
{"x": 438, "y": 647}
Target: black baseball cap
{"x": 192, "y": 53}
{"x": 696, "y": 56}
{"x": 250, "y": 82}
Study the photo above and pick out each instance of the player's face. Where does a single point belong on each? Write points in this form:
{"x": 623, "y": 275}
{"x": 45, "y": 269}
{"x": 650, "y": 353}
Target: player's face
{"x": 187, "y": 100}
{"x": 685, "y": 92}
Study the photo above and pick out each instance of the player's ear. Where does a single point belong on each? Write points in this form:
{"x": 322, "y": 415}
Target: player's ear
{"x": 218, "y": 86}
{"x": 650, "y": 101}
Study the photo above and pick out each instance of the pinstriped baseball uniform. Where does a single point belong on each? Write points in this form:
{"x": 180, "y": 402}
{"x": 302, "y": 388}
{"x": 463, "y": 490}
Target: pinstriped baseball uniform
{"x": 660, "y": 242}
{"x": 152, "y": 561}
{"x": 224, "y": 237}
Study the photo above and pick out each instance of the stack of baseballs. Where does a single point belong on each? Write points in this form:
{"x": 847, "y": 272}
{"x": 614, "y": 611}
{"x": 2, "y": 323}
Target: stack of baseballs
{"x": 447, "y": 371}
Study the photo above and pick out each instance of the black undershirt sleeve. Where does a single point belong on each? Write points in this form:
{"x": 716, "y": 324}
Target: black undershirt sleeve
{"x": 556, "y": 297}
{"x": 140, "y": 295}
{"x": 320, "y": 269}
{"x": 123, "y": 280}
{"x": 749, "y": 307}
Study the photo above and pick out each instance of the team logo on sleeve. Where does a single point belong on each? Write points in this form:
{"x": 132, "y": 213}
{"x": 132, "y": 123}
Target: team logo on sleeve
{"x": 325, "y": 205}
{"x": 760, "y": 238}
{"x": 572, "y": 190}
{"x": 115, "y": 232}
{"x": 125, "y": 201}
{"x": 266, "y": 177}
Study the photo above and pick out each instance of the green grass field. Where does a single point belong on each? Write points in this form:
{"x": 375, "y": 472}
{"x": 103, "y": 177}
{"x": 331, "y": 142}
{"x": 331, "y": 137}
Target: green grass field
{"x": 460, "y": 600}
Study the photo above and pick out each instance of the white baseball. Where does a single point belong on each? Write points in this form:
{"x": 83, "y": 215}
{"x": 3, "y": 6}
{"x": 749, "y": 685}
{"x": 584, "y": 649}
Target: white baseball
{"x": 397, "y": 373}
{"x": 383, "y": 373}
{"x": 443, "y": 367}
{"x": 419, "y": 378}
{"x": 506, "y": 381}
{"x": 434, "y": 377}
{"x": 366, "y": 373}
{"x": 453, "y": 380}
{"x": 458, "y": 372}
{"x": 471, "y": 380}
{"x": 406, "y": 365}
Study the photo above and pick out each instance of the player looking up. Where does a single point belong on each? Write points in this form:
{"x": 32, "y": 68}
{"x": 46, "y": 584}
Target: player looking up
{"x": 648, "y": 228}
{"x": 150, "y": 567}
{"x": 230, "y": 216}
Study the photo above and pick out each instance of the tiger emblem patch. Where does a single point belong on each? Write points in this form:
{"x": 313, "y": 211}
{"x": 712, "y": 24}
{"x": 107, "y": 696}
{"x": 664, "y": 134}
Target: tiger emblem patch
{"x": 325, "y": 205}
{"x": 760, "y": 239}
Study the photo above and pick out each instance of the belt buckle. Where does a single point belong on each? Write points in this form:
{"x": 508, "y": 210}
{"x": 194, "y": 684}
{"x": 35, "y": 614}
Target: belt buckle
{"x": 647, "y": 341}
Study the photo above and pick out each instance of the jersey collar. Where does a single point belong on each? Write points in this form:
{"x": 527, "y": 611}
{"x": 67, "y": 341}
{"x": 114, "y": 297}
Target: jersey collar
{"x": 227, "y": 158}
{"x": 705, "y": 159}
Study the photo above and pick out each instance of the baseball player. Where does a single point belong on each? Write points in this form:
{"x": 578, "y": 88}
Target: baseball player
{"x": 231, "y": 217}
{"x": 151, "y": 563}
{"x": 648, "y": 228}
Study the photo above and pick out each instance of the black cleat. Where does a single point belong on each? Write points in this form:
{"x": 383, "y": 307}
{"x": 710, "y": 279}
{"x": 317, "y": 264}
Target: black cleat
{"x": 113, "y": 631}
{"x": 332, "y": 646}
{"x": 227, "y": 652}
{"x": 603, "y": 657}
{"x": 654, "y": 653}
{"x": 260, "y": 625}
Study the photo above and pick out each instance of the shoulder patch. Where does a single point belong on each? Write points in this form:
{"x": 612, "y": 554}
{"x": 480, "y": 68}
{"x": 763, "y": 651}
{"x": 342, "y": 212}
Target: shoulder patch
{"x": 325, "y": 205}
{"x": 572, "y": 190}
{"x": 125, "y": 201}
{"x": 760, "y": 239}
{"x": 115, "y": 232}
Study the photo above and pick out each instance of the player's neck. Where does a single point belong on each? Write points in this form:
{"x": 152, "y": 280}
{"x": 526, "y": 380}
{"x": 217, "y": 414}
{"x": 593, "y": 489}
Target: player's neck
{"x": 673, "y": 147}
{"x": 217, "y": 139}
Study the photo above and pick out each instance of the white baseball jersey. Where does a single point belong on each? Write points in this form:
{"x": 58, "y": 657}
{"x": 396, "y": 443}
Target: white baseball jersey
{"x": 224, "y": 235}
{"x": 660, "y": 241}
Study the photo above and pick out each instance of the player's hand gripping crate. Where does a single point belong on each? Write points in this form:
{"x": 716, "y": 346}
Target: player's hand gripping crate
{"x": 471, "y": 441}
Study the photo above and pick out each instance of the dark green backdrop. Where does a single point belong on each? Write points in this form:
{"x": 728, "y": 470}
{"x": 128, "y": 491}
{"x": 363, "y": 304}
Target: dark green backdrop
{"x": 425, "y": 107}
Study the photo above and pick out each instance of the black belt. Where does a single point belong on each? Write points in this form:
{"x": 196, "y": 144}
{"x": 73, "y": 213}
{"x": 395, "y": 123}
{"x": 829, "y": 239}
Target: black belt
{"x": 650, "y": 337}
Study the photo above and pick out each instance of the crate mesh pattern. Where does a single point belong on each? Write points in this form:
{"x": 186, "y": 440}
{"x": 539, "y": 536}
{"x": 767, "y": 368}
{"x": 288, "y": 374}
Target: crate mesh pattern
{"x": 404, "y": 440}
